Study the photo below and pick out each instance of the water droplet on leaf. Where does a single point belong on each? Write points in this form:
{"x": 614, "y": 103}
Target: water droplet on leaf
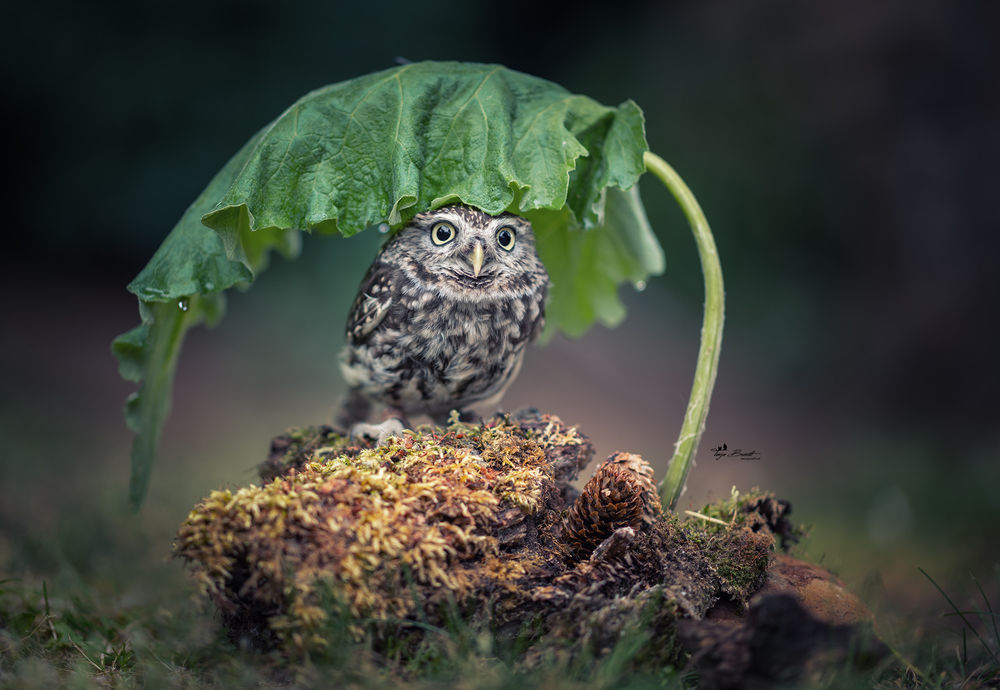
{"x": 383, "y": 228}
{"x": 183, "y": 304}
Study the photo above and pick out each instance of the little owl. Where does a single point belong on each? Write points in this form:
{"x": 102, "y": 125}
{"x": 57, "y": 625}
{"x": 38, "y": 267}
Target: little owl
{"x": 442, "y": 318}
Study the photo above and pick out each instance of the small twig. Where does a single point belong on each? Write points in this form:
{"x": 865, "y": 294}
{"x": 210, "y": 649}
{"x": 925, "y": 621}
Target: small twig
{"x": 910, "y": 668}
{"x": 700, "y": 516}
{"x": 46, "y": 620}
{"x": 80, "y": 649}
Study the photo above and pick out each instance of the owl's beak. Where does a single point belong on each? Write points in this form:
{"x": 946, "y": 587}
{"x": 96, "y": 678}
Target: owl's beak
{"x": 477, "y": 259}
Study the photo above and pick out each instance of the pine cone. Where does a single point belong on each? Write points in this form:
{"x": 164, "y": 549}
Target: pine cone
{"x": 612, "y": 499}
{"x": 643, "y": 473}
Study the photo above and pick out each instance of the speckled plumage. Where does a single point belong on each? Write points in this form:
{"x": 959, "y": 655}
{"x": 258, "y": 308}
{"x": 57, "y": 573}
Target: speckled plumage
{"x": 426, "y": 335}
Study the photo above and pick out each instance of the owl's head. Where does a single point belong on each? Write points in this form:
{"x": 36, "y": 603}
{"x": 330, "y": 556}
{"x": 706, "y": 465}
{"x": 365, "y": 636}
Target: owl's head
{"x": 469, "y": 248}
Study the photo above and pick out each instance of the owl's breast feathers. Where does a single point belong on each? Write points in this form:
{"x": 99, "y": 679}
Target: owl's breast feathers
{"x": 423, "y": 345}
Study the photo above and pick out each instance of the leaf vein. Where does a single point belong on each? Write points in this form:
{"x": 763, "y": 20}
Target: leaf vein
{"x": 451, "y": 126}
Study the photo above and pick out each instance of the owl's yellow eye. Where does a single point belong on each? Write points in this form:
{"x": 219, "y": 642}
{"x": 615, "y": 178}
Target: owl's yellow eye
{"x": 506, "y": 237}
{"x": 442, "y": 233}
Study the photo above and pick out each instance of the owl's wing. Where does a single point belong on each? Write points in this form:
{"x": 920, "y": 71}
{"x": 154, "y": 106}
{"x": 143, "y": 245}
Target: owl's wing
{"x": 372, "y": 303}
{"x": 539, "y": 325}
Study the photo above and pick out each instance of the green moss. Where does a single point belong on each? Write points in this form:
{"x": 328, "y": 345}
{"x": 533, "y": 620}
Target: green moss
{"x": 296, "y": 447}
{"x": 370, "y": 523}
{"x": 755, "y": 510}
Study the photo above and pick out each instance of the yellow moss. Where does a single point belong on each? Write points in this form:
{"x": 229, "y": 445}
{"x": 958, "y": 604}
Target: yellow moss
{"x": 419, "y": 511}
{"x": 553, "y": 434}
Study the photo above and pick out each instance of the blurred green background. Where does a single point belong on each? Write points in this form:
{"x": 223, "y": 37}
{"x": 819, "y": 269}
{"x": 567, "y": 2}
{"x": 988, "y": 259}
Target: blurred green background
{"x": 845, "y": 154}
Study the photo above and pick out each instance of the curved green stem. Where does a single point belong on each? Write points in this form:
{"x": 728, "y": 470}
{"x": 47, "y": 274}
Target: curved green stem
{"x": 711, "y": 334}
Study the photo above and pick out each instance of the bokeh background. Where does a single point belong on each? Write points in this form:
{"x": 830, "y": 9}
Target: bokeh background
{"x": 845, "y": 154}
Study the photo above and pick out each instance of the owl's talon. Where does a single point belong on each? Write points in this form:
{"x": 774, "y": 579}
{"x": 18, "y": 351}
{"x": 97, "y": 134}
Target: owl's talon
{"x": 469, "y": 417}
{"x": 380, "y": 433}
{"x": 446, "y": 419}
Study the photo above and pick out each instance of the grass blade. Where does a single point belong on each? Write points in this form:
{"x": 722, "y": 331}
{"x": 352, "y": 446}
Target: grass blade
{"x": 961, "y": 615}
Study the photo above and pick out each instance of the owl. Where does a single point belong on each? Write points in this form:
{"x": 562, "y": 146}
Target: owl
{"x": 442, "y": 318}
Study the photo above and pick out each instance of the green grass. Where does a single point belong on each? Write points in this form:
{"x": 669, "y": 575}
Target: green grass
{"x": 114, "y": 612}
{"x": 52, "y": 639}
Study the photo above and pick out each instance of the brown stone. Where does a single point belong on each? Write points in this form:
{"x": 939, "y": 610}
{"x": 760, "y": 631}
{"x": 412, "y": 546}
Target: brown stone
{"x": 801, "y": 620}
{"x": 820, "y": 593}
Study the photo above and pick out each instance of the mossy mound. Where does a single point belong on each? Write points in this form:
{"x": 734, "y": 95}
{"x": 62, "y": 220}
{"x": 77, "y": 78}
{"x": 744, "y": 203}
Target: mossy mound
{"x": 476, "y": 521}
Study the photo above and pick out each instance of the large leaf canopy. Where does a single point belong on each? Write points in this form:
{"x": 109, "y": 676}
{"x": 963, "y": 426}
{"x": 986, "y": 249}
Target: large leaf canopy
{"x": 382, "y": 148}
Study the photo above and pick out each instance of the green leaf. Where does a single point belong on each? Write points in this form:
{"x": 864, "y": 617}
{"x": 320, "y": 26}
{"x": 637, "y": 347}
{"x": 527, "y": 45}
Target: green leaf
{"x": 149, "y": 352}
{"x": 388, "y": 145}
{"x": 382, "y": 148}
{"x": 192, "y": 259}
{"x": 587, "y": 267}
{"x": 179, "y": 288}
